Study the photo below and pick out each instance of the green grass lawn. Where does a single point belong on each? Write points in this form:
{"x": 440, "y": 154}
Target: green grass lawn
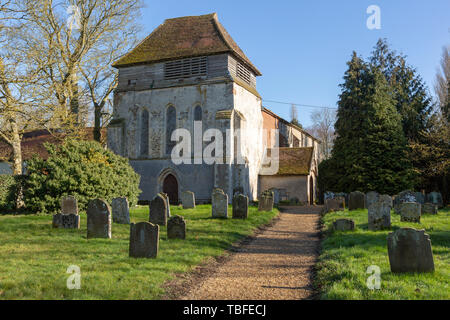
{"x": 346, "y": 255}
{"x": 34, "y": 257}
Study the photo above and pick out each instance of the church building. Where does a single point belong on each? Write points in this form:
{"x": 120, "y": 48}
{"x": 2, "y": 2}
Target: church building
{"x": 190, "y": 74}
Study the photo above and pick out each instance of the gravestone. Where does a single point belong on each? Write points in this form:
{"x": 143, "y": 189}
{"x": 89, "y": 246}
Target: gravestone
{"x": 335, "y": 204}
{"x": 342, "y": 195}
{"x": 158, "y": 210}
{"x": 176, "y": 228}
{"x": 429, "y": 208}
{"x": 435, "y": 198}
{"x": 68, "y": 218}
{"x": 66, "y": 221}
{"x": 266, "y": 201}
{"x": 237, "y": 190}
{"x": 166, "y": 198}
{"x": 379, "y": 216}
{"x": 328, "y": 195}
{"x": 98, "y": 219}
{"x": 144, "y": 240}
{"x": 356, "y": 200}
{"x": 410, "y": 212}
{"x": 188, "y": 199}
{"x": 371, "y": 197}
{"x": 240, "y": 206}
{"x": 386, "y": 199}
{"x": 219, "y": 204}
{"x": 410, "y": 251}
{"x": 69, "y": 205}
{"x": 404, "y": 196}
{"x": 276, "y": 195}
{"x": 120, "y": 210}
{"x": 420, "y": 198}
{"x": 344, "y": 225}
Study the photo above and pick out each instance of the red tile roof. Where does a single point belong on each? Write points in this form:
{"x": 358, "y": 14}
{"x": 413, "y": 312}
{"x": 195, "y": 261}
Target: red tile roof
{"x": 185, "y": 37}
{"x": 33, "y": 143}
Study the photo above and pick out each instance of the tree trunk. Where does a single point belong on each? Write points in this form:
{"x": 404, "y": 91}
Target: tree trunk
{"x": 17, "y": 149}
{"x": 97, "y": 122}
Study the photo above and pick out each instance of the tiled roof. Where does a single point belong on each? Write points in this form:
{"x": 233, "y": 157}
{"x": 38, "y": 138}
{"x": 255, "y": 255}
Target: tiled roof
{"x": 185, "y": 37}
{"x": 294, "y": 161}
{"x": 33, "y": 143}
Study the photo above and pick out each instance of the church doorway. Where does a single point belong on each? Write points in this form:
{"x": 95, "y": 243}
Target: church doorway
{"x": 170, "y": 186}
{"x": 311, "y": 190}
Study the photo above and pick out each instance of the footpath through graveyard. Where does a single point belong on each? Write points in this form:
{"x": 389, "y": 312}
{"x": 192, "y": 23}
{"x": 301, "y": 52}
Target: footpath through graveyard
{"x": 277, "y": 264}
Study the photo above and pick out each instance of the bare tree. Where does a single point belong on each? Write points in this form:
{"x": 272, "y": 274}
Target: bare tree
{"x": 66, "y": 36}
{"x": 442, "y": 85}
{"x": 323, "y": 128}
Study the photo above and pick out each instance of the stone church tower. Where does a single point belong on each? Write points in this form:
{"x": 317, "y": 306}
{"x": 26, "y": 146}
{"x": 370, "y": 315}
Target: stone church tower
{"x": 189, "y": 71}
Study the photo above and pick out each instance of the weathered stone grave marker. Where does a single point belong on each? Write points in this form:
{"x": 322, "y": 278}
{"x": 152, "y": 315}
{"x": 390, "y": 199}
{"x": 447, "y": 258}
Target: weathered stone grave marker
{"x": 266, "y": 201}
{"x": 188, "y": 199}
{"x": 435, "y": 198}
{"x": 158, "y": 210}
{"x": 176, "y": 228}
{"x": 344, "y": 225}
{"x": 379, "y": 216}
{"x": 219, "y": 204}
{"x": 68, "y": 218}
{"x": 144, "y": 240}
{"x": 356, "y": 200}
{"x": 98, "y": 219}
{"x": 371, "y": 197}
{"x": 410, "y": 251}
{"x": 335, "y": 204}
{"x": 240, "y": 206}
{"x": 120, "y": 210}
{"x": 410, "y": 212}
{"x": 429, "y": 208}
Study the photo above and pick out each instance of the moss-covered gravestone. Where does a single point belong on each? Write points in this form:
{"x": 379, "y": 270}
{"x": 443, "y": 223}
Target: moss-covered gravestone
{"x": 356, "y": 200}
{"x": 98, "y": 219}
{"x": 144, "y": 240}
{"x": 240, "y": 206}
{"x": 176, "y": 228}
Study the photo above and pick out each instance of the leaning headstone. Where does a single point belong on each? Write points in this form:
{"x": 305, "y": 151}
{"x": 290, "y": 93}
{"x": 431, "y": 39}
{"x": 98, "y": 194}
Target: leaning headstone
{"x": 219, "y": 204}
{"x": 240, "y": 206}
{"x": 435, "y": 198}
{"x": 429, "y": 208}
{"x": 410, "y": 251}
{"x": 66, "y": 221}
{"x": 176, "y": 228}
{"x": 144, "y": 240}
{"x": 379, "y": 216}
{"x": 188, "y": 199}
{"x": 335, "y": 204}
{"x": 404, "y": 196}
{"x": 386, "y": 199}
{"x": 410, "y": 212}
{"x": 344, "y": 225}
{"x": 356, "y": 200}
{"x": 69, "y": 205}
{"x": 158, "y": 210}
{"x": 166, "y": 197}
{"x": 98, "y": 219}
{"x": 120, "y": 210}
{"x": 266, "y": 201}
{"x": 371, "y": 197}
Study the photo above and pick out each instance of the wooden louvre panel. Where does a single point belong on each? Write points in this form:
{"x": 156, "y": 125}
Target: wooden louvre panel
{"x": 186, "y": 68}
{"x": 243, "y": 73}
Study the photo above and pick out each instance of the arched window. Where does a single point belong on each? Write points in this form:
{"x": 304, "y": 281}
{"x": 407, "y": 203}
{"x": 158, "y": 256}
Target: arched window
{"x": 198, "y": 113}
{"x": 144, "y": 145}
{"x": 171, "y": 124}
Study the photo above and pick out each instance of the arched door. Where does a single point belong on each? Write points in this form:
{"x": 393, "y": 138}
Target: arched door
{"x": 170, "y": 186}
{"x": 311, "y": 190}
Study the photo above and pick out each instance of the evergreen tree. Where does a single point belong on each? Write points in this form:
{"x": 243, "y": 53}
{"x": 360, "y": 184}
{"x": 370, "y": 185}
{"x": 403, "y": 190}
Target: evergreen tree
{"x": 370, "y": 150}
{"x": 407, "y": 88}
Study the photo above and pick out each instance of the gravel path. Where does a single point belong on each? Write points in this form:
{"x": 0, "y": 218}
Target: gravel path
{"x": 275, "y": 265}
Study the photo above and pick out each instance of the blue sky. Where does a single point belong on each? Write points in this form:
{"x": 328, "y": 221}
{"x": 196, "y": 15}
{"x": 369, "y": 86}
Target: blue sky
{"x": 301, "y": 47}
